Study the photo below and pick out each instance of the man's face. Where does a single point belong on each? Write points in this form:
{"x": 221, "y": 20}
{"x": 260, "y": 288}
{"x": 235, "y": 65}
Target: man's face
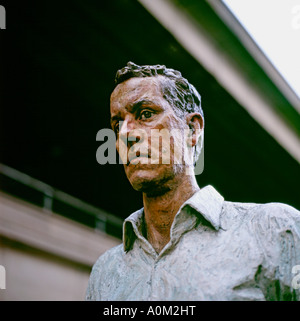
{"x": 138, "y": 103}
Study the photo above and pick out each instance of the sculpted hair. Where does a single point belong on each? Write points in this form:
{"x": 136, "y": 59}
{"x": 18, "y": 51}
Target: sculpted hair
{"x": 178, "y": 92}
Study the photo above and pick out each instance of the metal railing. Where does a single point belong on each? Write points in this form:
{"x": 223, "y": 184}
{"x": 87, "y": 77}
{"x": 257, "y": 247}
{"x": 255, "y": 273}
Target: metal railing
{"x": 50, "y": 199}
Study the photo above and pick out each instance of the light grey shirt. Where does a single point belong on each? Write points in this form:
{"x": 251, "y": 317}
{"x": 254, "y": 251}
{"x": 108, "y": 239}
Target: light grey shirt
{"x": 218, "y": 250}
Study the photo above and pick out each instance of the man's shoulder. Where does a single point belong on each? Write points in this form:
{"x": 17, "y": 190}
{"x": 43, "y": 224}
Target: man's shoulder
{"x": 273, "y": 213}
{"x": 100, "y": 271}
{"x": 112, "y": 254}
{"x": 278, "y": 216}
{"x": 268, "y": 207}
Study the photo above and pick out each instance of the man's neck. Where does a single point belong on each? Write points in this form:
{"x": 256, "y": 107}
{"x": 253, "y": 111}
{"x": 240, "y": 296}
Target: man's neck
{"x": 161, "y": 210}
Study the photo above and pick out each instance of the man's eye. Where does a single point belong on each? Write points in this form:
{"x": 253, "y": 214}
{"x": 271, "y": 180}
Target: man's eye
{"x": 146, "y": 114}
{"x": 117, "y": 127}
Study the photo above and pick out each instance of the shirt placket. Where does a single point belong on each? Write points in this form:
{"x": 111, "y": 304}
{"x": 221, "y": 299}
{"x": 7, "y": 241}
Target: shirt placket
{"x": 183, "y": 222}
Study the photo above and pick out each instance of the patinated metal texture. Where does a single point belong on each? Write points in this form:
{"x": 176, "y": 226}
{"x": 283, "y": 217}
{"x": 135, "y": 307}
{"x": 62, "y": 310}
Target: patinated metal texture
{"x": 218, "y": 250}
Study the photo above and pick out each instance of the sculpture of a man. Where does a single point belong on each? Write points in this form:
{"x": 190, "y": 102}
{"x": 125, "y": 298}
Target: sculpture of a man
{"x": 187, "y": 243}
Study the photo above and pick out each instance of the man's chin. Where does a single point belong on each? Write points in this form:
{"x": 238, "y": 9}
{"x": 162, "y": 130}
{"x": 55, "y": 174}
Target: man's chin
{"x": 151, "y": 188}
{"x": 149, "y": 179}
{"x": 142, "y": 179}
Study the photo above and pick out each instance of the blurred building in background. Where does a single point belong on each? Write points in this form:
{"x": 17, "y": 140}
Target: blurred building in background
{"x": 47, "y": 256}
{"x": 60, "y": 209}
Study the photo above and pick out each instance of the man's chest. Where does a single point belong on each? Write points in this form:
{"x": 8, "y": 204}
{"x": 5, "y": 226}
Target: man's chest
{"x": 199, "y": 267}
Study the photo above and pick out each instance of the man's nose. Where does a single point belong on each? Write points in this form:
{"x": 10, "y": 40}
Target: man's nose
{"x": 129, "y": 133}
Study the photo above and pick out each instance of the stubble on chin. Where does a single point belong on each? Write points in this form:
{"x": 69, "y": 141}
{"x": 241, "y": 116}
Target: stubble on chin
{"x": 154, "y": 181}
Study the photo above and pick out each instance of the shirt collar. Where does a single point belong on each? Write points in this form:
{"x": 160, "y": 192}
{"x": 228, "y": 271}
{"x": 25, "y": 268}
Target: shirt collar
{"x": 207, "y": 202}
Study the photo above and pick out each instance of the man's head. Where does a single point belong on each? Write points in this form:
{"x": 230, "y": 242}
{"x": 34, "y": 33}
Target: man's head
{"x": 148, "y": 98}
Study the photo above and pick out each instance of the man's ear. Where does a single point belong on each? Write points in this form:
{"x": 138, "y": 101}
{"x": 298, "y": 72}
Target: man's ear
{"x": 196, "y": 125}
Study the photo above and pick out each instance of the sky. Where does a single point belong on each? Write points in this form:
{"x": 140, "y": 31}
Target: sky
{"x": 275, "y": 27}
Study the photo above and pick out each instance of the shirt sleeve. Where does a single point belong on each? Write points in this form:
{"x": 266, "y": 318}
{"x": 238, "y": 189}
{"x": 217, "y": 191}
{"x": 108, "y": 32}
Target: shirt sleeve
{"x": 90, "y": 292}
{"x": 93, "y": 288}
{"x": 277, "y": 229}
